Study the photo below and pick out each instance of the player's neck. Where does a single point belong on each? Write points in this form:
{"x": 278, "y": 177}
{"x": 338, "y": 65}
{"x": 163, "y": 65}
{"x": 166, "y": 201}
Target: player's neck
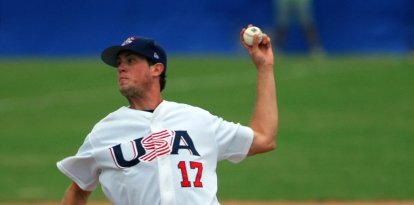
{"x": 147, "y": 103}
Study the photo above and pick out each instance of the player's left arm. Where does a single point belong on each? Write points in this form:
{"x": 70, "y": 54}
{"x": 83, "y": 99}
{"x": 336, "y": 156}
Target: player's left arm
{"x": 75, "y": 195}
{"x": 265, "y": 117}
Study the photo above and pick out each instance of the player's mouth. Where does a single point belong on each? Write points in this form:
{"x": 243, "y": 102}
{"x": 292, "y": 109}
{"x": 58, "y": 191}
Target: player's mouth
{"x": 122, "y": 79}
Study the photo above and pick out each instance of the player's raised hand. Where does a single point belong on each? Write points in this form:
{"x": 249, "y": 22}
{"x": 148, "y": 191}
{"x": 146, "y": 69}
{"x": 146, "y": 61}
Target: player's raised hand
{"x": 260, "y": 52}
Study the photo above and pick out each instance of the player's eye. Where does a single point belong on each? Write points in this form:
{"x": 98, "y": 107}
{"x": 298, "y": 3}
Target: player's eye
{"x": 131, "y": 60}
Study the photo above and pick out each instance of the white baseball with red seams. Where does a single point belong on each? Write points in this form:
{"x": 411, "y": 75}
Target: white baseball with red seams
{"x": 167, "y": 157}
{"x": 249, "y": 34}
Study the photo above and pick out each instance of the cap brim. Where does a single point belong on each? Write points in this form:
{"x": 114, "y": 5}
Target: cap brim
{"x": 110, "y": 55}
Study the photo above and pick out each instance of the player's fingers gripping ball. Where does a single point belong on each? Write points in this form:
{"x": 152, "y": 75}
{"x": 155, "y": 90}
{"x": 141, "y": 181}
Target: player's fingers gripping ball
{"x": 249, "y": 34}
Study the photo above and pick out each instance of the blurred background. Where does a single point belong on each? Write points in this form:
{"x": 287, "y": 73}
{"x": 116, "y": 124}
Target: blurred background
{"x": 344, "y": 71}
{"x": 84, "y": 27}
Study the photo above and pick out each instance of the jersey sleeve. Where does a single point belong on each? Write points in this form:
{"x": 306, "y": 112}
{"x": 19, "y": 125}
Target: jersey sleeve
{"x": 234, "y": 140}
{"x": 81, "y": 168}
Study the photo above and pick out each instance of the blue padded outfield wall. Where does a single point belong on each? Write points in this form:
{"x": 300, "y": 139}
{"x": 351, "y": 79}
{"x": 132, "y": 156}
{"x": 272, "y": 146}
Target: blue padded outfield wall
{"x": 85, "y": 27}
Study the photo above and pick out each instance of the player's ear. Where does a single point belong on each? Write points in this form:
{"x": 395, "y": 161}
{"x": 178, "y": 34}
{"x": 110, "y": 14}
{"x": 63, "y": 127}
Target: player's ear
{"x": 157, "y": 69}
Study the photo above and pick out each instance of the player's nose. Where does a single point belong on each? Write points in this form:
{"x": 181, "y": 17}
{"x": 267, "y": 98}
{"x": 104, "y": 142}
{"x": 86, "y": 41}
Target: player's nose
{"x": 121, "y": 67}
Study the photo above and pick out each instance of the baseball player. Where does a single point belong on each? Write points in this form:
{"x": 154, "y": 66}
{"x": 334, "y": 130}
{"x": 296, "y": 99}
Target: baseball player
{"x": 159, "y": 152}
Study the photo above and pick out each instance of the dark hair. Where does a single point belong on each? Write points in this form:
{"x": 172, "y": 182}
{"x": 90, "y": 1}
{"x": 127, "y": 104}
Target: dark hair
{"x": 163, "y": 75}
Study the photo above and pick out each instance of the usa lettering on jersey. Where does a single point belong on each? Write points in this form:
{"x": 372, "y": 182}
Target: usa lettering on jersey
{"x": 155, "y": 145}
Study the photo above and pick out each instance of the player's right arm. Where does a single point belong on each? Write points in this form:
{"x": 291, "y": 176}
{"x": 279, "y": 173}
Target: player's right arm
{"x": 74, "y": 195}
{"x": 265, "y": 116}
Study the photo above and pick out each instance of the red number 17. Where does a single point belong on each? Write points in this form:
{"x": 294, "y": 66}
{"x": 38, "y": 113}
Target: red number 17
{"x": 193, "y": 165}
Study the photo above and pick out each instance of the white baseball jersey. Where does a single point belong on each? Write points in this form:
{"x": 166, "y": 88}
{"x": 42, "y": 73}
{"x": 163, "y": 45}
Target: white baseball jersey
{"x": 167, "y": 157}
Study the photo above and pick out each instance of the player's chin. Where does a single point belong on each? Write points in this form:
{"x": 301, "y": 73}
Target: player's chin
{"x": 123, "y": 89}
{"x": 128, "y": 91}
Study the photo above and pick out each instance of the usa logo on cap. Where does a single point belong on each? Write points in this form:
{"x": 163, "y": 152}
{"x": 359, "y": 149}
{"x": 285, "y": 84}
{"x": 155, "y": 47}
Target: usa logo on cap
{"x": 156, "y": 55}
{"x": 128, "y": 41}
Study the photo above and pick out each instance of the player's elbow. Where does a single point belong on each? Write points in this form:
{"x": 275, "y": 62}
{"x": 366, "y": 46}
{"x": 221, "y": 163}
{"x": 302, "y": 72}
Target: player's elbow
{"x": 267, "y": 141}
{"x": 270, "y": 145}
{"x": 262, "y": 144}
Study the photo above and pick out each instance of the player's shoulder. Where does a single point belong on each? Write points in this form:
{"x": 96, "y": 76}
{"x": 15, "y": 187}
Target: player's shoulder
{"x": 121, "y": 114}
{"x": 183, "y": 107}
{"x": 176, "y": 105}
{"x": 122, "y": 111}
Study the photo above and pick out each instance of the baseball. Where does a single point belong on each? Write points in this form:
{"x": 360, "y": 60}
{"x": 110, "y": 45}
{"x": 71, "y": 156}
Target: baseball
{"x": 249, "y": 34}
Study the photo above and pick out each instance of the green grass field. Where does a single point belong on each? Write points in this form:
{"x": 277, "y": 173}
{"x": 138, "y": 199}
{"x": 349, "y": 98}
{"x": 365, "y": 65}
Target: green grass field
{"x": 346, "y": 124}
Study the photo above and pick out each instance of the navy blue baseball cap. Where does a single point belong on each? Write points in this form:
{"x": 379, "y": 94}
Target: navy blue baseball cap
{"x": 143, "y": 46}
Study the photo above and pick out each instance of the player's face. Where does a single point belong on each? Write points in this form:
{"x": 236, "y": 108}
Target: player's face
{"x": 133, "y": 75}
